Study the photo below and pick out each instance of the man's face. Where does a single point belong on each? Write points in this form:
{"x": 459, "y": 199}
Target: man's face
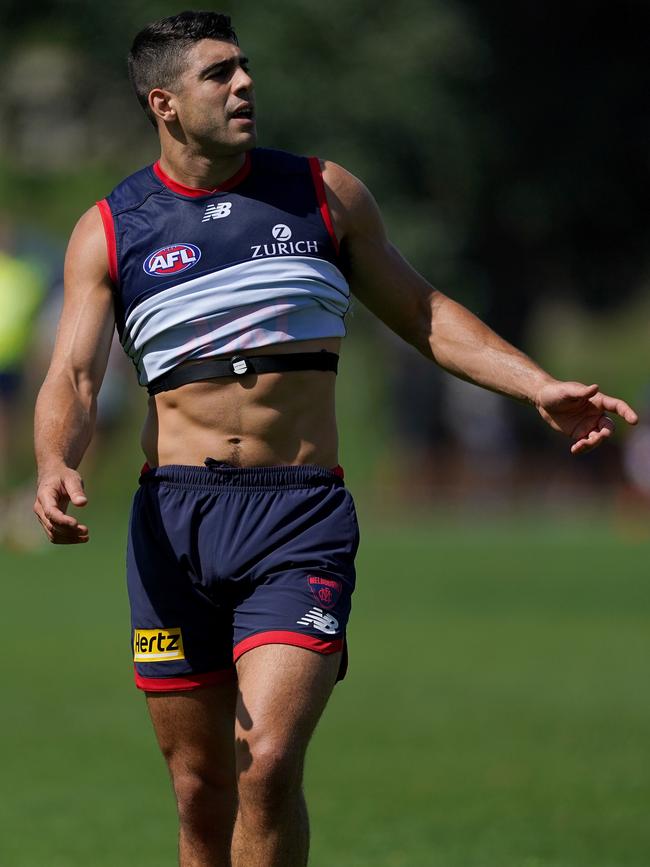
{"x": 214, "y": 98}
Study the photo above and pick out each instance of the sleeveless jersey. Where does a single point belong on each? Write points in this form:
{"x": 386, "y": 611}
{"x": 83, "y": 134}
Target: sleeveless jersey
{"x": 201, "y": 273}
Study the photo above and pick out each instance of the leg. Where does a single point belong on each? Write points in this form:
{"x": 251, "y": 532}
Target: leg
{"x": 195, "y": 730}
{"x": 283, "y": 692}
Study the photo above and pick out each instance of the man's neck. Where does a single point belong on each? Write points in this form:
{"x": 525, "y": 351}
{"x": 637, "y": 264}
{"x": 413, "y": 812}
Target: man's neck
{"x": 201, "y": 172}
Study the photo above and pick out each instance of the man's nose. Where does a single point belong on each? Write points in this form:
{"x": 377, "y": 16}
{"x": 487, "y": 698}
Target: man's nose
{"x": 242, "y": 81}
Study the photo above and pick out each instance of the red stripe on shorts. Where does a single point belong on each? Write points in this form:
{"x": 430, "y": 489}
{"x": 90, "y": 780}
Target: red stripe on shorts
{"x": 279, "y": 636}
{"x": 187, "y": 681}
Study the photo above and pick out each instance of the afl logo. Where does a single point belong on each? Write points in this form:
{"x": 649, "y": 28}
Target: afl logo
{"x": 281, "y": 232}
{"x": 171, "y": 260}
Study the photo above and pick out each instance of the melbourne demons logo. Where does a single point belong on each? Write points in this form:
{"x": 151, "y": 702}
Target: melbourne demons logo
{"x": 326, "y": 591}
{"x": 171, "y": 260}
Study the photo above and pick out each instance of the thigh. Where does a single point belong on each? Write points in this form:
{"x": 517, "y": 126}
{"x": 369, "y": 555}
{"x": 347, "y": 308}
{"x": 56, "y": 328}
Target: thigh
{"x": 181, "y": 635}
{"x": 300, "y": 592}
{"x": 283, "y": 691}
{"x": 195, "y": 731}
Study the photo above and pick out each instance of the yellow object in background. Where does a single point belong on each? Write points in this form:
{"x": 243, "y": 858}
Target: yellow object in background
{"x": 22, "y": 289}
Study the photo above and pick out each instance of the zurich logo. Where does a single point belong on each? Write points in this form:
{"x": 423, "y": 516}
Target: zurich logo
{"x": 281, "y": 232}
{"x": 171, "y": 260}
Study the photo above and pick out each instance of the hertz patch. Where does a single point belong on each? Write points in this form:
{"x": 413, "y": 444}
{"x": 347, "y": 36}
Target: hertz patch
{"x": 157, "y": 645}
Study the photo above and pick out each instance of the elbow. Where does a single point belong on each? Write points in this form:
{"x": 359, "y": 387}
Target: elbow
{"x": 422, "y": 331}
{"x": 86, "y": 391}
{"x": 437, "y": 308}
{"x": 417, "y": 333}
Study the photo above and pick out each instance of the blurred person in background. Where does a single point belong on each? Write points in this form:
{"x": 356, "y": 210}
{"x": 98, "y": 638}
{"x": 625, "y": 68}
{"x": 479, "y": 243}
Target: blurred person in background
{"x": 227, "y": 270}
{"x": 117, "y": 386}
{"x": 23, "y": 288}
{"x": 633, "y": 499}
{"x": 31, "y": 299}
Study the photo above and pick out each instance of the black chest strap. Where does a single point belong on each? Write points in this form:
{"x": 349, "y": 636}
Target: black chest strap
{"x": 239, "y": 365}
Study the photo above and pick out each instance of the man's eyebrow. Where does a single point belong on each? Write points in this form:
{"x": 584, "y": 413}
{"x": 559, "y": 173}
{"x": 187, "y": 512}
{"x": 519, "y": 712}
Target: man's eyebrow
{"x": 239, "y": 60}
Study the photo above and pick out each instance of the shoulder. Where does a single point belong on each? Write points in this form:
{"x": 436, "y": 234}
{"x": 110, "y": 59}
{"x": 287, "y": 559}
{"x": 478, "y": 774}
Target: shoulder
{"x": 88, "y": 229}
{"x": 87, "y": 246}
{"x": 134, "y": 190}
{"x": 351, "y": 203}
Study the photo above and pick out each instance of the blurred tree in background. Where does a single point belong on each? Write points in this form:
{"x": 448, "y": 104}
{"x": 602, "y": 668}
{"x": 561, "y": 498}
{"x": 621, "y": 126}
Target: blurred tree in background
{"x": 508, "y": 145}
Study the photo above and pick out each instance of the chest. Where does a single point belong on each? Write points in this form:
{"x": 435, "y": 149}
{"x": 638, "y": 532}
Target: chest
{"x": 171, "y": 238}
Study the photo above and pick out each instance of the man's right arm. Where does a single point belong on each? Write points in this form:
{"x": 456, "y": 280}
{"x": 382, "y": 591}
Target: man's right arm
{"x": 66, "y": 404}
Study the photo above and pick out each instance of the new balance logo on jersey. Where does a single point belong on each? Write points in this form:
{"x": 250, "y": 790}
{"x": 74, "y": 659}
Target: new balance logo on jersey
{"x": 217, "y": 212}
{"x": 317, "y": 618}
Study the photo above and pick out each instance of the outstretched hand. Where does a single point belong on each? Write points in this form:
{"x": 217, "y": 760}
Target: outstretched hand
{"x": 55, "y": 493}
{"x": 579, "y": 411}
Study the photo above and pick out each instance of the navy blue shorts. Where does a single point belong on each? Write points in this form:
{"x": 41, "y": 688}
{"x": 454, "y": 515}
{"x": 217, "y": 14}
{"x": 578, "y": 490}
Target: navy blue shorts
{"x": 223, "y": 559}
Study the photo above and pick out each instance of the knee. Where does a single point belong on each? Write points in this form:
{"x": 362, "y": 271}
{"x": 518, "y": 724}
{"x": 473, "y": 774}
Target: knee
{"x": 271, "y": 777}
{"x": 204, "y": 799}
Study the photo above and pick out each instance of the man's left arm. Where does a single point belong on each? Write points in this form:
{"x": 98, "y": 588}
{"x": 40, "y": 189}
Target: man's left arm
{"x": 445, "y": 331}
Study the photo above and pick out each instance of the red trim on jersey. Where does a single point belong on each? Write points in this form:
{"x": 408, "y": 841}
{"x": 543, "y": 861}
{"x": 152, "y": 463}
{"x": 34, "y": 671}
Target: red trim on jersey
{"x": 279, "y": 636}
{"x": 109, "y": 231}
{"x": 321, "y": 195}
{"x": 195, "y": 192}
{"x": 145, "y": 468}
{"x": 187, "y": 681}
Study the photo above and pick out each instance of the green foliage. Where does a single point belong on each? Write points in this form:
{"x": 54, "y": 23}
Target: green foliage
{"x": 508, "y": 152}
{"x": 67, "y": 194}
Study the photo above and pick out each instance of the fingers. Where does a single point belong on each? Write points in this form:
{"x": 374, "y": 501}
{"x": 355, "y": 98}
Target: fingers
{"x": 585, "y": 390}
{"x": 595, "y": 437}
{"x": 48, "y": 498}
{"x": 52, "y": 499}
{"x": 74, "y": 487}
{"x": 615, "y": 404}
{"x": 58, "y": 531}
{"x": 61, "y": 535}
{"x": 68, "y": 536}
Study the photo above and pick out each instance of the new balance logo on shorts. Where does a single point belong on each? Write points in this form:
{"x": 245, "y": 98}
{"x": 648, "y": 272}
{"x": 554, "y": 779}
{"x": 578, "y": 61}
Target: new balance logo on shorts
{"x": 317, "y": 618}
{"x": 217, "y": 212}
{"x": 157, "y": 645}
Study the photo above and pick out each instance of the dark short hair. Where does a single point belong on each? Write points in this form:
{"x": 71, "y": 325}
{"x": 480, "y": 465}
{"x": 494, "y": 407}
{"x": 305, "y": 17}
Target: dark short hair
{"x": 157, "y": 56}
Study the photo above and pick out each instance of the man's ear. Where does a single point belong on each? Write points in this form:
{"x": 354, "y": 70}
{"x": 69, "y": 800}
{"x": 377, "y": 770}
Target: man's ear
{"x": 162, "y": 104}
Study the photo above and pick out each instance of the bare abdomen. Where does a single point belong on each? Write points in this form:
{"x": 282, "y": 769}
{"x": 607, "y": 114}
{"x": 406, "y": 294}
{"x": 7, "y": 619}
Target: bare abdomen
{"x": 265, "y": 420}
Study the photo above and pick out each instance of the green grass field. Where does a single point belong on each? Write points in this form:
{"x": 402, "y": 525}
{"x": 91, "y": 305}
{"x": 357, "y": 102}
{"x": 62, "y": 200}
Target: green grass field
{"x": 496, "y": 714}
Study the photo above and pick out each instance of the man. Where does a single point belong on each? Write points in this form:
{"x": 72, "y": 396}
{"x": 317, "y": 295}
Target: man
{"x": 227, "y": 269}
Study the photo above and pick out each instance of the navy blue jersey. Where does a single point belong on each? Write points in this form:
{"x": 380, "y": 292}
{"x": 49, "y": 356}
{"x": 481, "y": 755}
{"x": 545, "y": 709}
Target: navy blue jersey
{"x": 202, "y": 273}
